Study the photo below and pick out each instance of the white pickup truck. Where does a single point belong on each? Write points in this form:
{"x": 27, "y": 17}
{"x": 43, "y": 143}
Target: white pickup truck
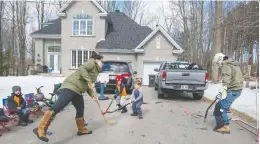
{"x": 180, "y": 77}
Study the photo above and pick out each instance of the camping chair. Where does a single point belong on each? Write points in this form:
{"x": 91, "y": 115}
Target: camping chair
{"x": 3, "y": 121}
{"x": 32, "y": 104}
{"x": 10, "y": 107}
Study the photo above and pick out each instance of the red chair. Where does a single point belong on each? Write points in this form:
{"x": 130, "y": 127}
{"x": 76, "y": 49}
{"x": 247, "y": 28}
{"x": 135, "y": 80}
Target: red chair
{"x": 11, "y": 114}
{"x": 3, "y": 121}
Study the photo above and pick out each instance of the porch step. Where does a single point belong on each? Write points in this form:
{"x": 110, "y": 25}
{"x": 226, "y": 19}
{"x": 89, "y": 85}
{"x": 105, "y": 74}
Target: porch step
{"x": 51, "y": 74}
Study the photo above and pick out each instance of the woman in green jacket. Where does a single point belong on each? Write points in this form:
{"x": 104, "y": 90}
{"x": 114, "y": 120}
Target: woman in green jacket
{"x": 71, "y": 91}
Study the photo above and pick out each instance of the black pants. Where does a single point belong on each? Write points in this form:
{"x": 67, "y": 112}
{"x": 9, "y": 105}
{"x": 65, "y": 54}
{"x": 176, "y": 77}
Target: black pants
{"x": 65, "y": 97}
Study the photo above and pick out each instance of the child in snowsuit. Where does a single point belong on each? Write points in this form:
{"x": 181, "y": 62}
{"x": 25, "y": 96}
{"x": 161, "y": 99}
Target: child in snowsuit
{"x": 16, "y": 96}
{"x": 120, "y": 95}
{"x": 137, "y": 100}
{"x": 231, "y": 90}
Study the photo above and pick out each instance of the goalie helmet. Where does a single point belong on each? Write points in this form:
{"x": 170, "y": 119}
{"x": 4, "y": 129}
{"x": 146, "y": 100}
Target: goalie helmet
{"x": 218, "y": 58}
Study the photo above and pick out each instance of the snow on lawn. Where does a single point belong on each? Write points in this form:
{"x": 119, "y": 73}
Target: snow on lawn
{"x": 246, "y": 103}
{"x": 28, "y": 84}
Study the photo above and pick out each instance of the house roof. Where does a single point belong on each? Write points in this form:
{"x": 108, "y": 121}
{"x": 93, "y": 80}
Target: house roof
{"x": 123, "y": 33}
{"x": 54, "y": 27}
{"x": 175, "y": 49}
{"x": 70, "y": 2}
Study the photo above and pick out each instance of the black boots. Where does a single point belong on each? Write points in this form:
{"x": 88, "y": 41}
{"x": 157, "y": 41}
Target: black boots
{"x": 134, "y": 114}
{"x": 119, "y": 106}
{"x": 22, "y": 120}
{"x": 27, "y": 120}
{"x": 124, "y": 110}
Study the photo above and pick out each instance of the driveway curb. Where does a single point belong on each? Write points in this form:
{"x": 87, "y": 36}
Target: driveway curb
{"x": 240, "y": 114}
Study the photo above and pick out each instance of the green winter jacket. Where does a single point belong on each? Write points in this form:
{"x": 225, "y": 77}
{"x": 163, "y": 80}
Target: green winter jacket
{"x": 232, "y": 75}
{"x": 82, "y": 80}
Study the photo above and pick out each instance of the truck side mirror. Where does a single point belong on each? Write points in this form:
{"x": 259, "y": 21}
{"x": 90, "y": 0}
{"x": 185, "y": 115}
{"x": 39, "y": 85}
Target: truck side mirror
{"x": 156, "y": 70}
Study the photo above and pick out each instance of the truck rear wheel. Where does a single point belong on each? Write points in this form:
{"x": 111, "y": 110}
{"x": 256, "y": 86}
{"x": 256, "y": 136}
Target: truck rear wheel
{"x": 160, "y": 95}
{"x": 198, "y": 96}
{"x": 155, "y": 87}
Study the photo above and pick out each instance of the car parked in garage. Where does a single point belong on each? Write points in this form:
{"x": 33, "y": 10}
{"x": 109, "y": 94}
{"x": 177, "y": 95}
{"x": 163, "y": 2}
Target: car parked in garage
{"x": 181, "y": 77}
{"x": 114, "y": 68}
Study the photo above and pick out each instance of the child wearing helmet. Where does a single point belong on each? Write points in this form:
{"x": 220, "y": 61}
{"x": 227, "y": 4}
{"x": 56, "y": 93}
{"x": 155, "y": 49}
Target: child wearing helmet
{"x": 120, "y": 94}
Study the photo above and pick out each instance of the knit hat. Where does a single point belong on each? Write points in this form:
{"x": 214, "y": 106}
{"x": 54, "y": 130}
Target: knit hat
{"x": 16, "y": 88}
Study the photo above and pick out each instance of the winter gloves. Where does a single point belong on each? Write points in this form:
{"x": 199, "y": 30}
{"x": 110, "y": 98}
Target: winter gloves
{"x": 115, "y": 96}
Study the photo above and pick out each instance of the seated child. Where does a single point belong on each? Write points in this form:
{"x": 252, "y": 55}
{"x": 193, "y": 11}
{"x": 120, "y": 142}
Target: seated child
{"x": 120, "y": 95}
{"x": 137, "y": 100}
{"x": 21, "y": 106}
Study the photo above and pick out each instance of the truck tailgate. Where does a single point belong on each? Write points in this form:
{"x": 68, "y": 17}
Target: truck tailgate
{"x": 185, "y": 76}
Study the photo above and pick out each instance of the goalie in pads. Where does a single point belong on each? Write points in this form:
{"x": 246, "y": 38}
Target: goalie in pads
{"x": 230, "y": 91}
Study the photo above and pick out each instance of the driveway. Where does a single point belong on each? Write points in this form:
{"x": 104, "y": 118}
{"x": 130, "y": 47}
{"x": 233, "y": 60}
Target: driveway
{"x": 167, "y": 121}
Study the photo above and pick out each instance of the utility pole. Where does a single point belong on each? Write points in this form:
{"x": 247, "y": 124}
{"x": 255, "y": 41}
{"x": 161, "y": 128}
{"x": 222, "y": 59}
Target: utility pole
{"x": 217, "y": 38}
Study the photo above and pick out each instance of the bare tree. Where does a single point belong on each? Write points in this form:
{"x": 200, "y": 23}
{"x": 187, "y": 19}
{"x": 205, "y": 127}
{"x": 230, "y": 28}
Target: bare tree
{"x": 109, "y": 5}
{"x": 21, "y": 18}
{"x": 13, "y": 37}
{"x": 43, "y": 11}
{"x": 60, "y": 3}
{"x": 135, "y": 10}
{"x": 1, "y": 42}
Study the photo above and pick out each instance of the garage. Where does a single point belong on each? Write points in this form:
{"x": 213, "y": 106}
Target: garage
{"x": 148, "y": 68}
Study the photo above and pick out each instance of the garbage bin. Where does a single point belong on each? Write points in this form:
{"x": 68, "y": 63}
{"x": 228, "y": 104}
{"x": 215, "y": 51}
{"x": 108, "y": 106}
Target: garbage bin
{"x": 45, "y": 69}
{"x": 151, "y": 80}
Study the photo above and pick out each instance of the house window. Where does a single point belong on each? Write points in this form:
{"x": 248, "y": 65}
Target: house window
{"x": 78, "y": 57}
{"x": 158, "y": 43}
{"x": 54, "y": 49}
{"x": 82, "y": 25}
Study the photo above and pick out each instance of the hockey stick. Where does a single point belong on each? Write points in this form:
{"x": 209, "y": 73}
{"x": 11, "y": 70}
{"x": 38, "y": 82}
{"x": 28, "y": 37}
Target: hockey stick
{"x": 118, "y": 108}
{"x": 111, "y": 122}
{"x": 108, "y": 107}
{"x": 206, "y": 114}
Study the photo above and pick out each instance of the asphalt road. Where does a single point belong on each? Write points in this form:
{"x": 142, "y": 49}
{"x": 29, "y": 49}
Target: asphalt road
{"x": 167, "y": 121}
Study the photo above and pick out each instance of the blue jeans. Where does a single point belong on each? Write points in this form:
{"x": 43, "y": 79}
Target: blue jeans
{"x": 25, "y": 111}
{"x": 136, "y": 106}
{"x": 222, "y": 107}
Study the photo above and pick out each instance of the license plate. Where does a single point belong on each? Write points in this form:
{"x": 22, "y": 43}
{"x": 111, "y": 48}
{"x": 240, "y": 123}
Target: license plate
{"x": 112, "y": 77}
{"x": 184, "y": 86}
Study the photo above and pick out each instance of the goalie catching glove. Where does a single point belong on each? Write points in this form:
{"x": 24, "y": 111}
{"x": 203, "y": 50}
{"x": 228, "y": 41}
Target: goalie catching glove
{"x": 222, "y": 93}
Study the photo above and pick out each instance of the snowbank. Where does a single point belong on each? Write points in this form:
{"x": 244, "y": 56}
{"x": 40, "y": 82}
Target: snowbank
{"x": 28, "y": 84}
{"x": 246, "y": 103}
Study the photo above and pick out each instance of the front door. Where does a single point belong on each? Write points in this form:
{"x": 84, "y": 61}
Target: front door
{"x": 54, "y": 62}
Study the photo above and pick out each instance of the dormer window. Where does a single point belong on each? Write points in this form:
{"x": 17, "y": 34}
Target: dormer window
{"x": 82, "y": 25}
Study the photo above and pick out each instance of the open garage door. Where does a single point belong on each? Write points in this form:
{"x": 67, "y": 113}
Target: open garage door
{"x": 149, "y": 69}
